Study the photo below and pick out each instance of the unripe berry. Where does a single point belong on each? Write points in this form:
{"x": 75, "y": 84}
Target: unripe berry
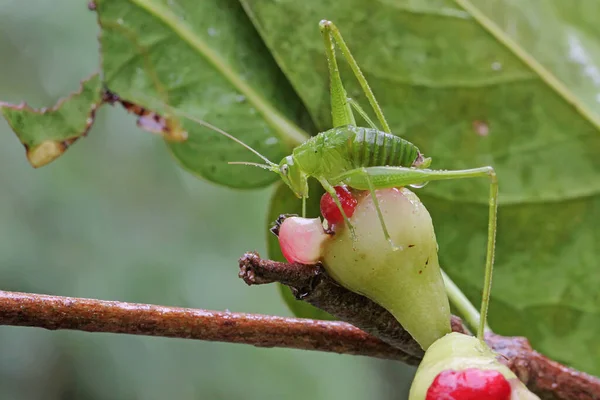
{"x": 407, "y": 282}
{"x": 301, "y": 240}
{"x": 330, "y": 210}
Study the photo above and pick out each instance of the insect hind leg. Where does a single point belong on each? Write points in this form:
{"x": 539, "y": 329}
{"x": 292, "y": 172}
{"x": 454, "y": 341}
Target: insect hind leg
{"x": 329, "y": 31}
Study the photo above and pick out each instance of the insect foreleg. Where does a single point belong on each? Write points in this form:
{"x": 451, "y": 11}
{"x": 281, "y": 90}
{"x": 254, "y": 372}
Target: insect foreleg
{"x": 331, "y": 190}
{"x": 388, "y": 177}
{"x": 304, "y": 207}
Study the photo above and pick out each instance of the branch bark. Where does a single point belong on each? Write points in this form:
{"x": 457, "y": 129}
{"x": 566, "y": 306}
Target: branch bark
{"x": 90, "y": 315}
{"x": 311, "y": 284}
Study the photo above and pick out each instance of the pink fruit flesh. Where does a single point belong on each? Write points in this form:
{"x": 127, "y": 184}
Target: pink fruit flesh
{"x": 301, "y": 240}
{"x": 329, "y": 209}
{"x": 469, "y": 384}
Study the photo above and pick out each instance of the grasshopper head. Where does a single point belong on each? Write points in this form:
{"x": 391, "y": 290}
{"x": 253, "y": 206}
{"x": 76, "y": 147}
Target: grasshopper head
{"x": 293, "y": 176}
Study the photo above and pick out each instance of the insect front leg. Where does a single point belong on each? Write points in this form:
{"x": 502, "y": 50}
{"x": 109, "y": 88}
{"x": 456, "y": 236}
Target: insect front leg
{"x": 389, "y": 177}
{"x": 303, "y": 206}
{"x": 331, "y": 190}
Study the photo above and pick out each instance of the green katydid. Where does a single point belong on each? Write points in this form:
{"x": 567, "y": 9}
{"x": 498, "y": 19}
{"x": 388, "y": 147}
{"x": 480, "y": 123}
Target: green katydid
{"x": 364, "y": 158}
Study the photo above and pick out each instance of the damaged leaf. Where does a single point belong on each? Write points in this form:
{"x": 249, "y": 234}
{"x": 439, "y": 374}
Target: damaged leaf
{"x": 150, "y": 121}
{"x": 204, "y": 59}
{"x": 47, "y": 133}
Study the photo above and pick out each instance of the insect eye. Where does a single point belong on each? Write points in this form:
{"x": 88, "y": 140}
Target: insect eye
{"x": 284, "y": 169}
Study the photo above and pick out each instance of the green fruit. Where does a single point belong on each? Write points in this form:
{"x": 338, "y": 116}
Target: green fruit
{"x": 407, "y": 282}
{"x": 456, "y": 352}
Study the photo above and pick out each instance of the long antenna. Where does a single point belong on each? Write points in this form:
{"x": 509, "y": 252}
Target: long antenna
{"x": 222, "y": 132}
{"x": 252, "y": 164}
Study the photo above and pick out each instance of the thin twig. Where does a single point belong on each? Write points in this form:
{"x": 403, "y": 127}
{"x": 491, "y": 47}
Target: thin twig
{"x": 55, "y": 312}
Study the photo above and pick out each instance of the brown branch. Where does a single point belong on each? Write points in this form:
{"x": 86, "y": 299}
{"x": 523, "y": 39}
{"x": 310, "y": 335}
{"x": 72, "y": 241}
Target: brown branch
{"x": 55, "y": 312}
{"x": 549, "y": 379}
{"x": 311, "y": 284}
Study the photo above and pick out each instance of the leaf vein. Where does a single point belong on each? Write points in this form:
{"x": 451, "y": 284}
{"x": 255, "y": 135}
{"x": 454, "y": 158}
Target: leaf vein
{"x": 551, "y": 80}
{"x": 289, "y": 131}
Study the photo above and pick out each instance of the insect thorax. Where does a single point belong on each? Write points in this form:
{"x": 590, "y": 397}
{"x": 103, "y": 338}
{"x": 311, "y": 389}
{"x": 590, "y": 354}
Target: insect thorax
{"x": 341, "y": 149}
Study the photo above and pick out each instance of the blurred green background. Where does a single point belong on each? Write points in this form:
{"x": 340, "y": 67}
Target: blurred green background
{"x": 117, "y": 219}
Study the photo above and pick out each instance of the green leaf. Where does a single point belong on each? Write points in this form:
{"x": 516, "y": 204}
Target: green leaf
{"x": 48, "y": 133}
{"x": 205, "y": 59}
{"x": 469, "y": 98}
{"x": 285, "y": 202}
{"x": 567, "y": 30}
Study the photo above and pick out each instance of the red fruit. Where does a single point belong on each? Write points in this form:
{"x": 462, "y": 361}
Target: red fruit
{"x": 329, "y": 209}
{"x": 469, "y": 384}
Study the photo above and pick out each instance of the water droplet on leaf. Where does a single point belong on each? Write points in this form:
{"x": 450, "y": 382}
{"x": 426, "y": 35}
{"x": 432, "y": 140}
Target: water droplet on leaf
{"x": 418, "y": 185}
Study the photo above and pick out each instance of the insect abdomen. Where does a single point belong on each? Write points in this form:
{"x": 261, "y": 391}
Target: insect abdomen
{"x": 371, "y": 148}
{"x": 341, "y": 149}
